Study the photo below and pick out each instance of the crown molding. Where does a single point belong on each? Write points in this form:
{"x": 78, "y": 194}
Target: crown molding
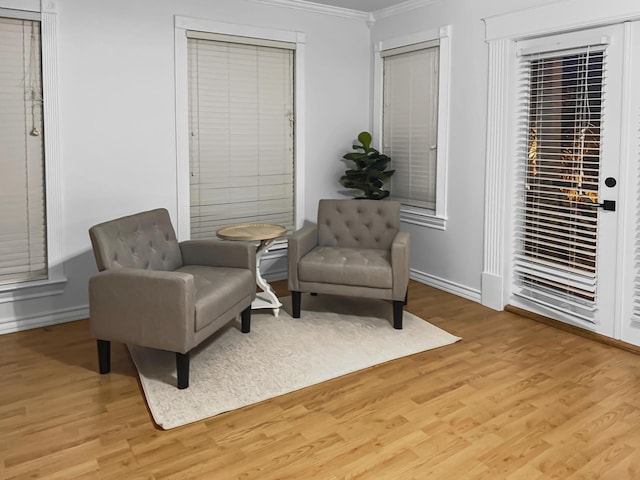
{"x": 319, "y": 8}
{"x": 402, "y": 8}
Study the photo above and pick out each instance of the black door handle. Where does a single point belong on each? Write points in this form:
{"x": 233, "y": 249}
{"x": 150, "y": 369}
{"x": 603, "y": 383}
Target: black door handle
{"x": 609, "y": 205}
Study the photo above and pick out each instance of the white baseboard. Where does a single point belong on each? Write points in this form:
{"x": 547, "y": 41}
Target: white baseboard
{"x": 446, "y": 285}
{"x": 27, "y": 322}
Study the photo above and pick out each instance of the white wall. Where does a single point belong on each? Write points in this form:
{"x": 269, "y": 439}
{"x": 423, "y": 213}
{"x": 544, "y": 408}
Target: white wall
{"x": 118, "y": 121}
{"x": 117, "y": 117}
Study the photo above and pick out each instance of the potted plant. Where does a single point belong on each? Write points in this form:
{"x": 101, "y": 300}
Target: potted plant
{"x": 369, "y": 171}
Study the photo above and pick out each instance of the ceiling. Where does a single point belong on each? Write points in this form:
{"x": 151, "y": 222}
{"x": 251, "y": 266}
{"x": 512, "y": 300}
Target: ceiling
{"x": 362, "y": 5}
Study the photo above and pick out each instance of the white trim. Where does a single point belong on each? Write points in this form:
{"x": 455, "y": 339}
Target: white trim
{"x": 53, "y": 162}
{"x": 49, "y": 6}
{"x": 20, "y": 14}
{"x": 21, "y": 5}
{"x": 412, "y": 214}
{"x": 182, "y": 24}
{"x": 403, "y": 8}
{"x": 317, "y": 8}
{"x": 555, "y": 17}
{"x": 445, "y": 285}
{"x": 421, "y": 217}
{"x": 52, "y": 156}
{"x": 28, "y": 290}
{"x": 626, "y": 178}
{"x": 496, "y": 187}
{"x": 212, "y": 26}
{"x": 300, "y": 112}
{"x": 52, "y": 317}
{"x": 545, "y": 49}
{"x": 502, "y": 32}
{"x": 410, "y": 48}
{"x": 219, "y": 37}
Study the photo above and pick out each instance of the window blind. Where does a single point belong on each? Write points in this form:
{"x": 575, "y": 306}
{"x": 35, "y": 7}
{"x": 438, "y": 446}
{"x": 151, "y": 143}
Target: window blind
{"x": 241, "y": 121}
{"x": 410, "y": 123}
{"x": 556, "y": 219}
{"x": 23, "y": 255}
{"x": 635, "y": 309}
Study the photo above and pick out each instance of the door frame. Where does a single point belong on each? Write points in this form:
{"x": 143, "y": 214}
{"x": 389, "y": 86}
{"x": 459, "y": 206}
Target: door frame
{"x": 502, "y": 33}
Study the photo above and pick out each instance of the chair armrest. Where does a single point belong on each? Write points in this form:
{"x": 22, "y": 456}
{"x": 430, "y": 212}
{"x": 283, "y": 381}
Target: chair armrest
{"x": 400, "y": 265}
{"x": 219, "y": 253}
{"x": 143, "y": 307}
{"x": 300, "y": 243}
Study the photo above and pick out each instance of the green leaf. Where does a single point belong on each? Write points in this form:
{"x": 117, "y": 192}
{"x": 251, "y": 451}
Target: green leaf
{"x": 365, "y": 139}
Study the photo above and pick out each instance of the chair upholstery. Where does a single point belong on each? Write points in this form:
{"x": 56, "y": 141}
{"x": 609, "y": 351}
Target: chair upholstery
{"x": 154, "y": 291}
{"x": 354, "y": 249}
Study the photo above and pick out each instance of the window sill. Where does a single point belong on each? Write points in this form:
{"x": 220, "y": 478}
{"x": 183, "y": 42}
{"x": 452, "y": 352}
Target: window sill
{"x": 28, "y": 290}
{"x": 422, "y": 217}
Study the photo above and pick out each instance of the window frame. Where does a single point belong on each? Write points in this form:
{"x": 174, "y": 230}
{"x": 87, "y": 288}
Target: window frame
{"x": 410, "y": 213}
{"x": 182, "y": 24}
{"x": 54, "y": 284}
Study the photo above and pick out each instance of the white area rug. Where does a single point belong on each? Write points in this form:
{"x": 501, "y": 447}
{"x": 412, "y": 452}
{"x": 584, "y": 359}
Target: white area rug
{"x": 333, "y": 337}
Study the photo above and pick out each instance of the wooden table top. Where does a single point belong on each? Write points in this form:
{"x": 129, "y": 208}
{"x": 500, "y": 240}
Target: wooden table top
{"x": 252, "y": 231}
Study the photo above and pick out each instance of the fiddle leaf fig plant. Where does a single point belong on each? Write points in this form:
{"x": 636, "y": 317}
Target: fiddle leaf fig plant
{"x": 369, "y": 171}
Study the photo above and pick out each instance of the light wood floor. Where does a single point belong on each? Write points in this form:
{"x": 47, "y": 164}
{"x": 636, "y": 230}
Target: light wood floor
{"x": 515, "y": 399}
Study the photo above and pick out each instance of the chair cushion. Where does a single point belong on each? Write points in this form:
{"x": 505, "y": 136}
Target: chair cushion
{"x": 347, "y": 266}
{"x": 217, "y": 290}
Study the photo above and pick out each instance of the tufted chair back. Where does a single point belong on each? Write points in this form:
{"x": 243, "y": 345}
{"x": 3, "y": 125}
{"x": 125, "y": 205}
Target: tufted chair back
{"x": 358, "y": 223}
{"x": 145, "y": 240}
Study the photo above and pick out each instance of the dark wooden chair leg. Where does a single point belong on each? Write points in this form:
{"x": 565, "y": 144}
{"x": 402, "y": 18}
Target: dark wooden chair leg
{"x": 104, "y": 356}
{"x": 296, "y": 298}
{"x": 246, "y": 320}
{"x": 314, "y": 294}
{"x": 182, "y": 369}
{"x": 397, "y": 314}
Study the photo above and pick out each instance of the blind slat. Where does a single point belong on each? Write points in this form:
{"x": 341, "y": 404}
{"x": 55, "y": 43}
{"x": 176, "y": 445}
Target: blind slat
{"x": 241, "y": 146}
{"x": 23, "y": 255}
{"x": 559, "y": 170}
{"x": 410, "y": 112}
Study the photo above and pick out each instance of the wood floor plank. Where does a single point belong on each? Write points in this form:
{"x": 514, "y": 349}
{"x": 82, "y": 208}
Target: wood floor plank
{"x": 516, "y": 399}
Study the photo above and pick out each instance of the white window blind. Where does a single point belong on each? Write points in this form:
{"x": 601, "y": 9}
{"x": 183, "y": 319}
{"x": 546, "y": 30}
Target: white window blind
{"x": 410, "y": 122}
{"x": 241, "y": 120}
{"x": 558, "y": 170}
{"x": 635, "y": 310}
{"x": 23, "y": 255}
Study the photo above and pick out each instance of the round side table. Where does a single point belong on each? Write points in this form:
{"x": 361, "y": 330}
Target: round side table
{"x": 263, "y": 235}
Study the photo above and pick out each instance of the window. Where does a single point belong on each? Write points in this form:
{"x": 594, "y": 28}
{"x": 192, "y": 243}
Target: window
{"x": 559, "y": 174}
{"x": 241, "y": 124}
{"x": 23, "y": 237}
{"x": 411, "y": 112}
{"x": 410, "y": 122}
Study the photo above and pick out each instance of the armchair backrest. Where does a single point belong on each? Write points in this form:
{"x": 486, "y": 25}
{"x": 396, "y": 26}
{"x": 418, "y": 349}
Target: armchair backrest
{"x": 144, "y": 240}
{"x": 358, "y": 223}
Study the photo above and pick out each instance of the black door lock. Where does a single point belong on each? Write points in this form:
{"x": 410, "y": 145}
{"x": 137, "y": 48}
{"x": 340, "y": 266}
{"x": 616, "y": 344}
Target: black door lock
{"x": 609, "y": 205}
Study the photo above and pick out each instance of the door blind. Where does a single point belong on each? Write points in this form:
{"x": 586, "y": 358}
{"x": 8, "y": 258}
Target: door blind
{"x": 241, "y": 147}
{"x": 558, "y": 170}
{"x": 23, "y": 254}
{"x": 410, "y": 123}
{"x": 635, "y": 309}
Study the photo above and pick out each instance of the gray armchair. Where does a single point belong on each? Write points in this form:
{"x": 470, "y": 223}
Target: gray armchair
{"x": 355, "y": 249}
{"x": 155, "y": 292}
